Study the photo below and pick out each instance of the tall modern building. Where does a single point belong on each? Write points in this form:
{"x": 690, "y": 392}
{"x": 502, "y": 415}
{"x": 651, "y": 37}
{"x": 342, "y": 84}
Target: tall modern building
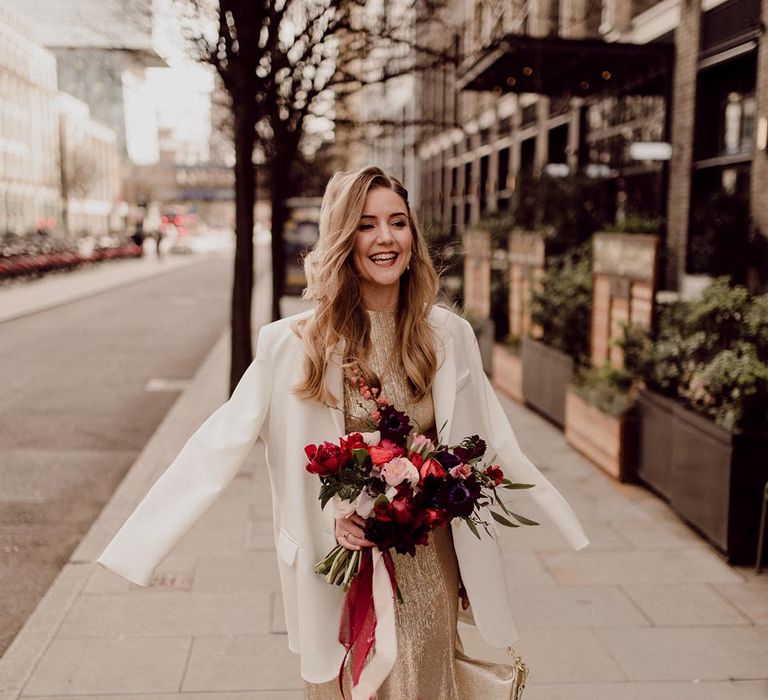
{"x": 666, "y": 101}
{"x": 90, "y": 168}
{"x": 103, "y": 49}
{"x": 29, "y": 124}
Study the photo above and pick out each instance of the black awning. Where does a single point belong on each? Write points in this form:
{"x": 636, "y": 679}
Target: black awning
{"x": 561, "y": 67}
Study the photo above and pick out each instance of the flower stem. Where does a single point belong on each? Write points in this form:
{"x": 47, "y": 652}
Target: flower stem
{"x": 337, "y": 564}
{"x": 351, "y": 569}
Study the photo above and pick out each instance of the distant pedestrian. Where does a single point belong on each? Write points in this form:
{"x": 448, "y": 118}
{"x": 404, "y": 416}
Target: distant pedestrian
{"x": 158, "y": 243}
{"x": 138, "y": 236}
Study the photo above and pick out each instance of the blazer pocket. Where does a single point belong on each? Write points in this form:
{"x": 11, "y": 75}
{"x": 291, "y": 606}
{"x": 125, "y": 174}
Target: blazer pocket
{"x": 287, "y": 547}
{"x": 463, "y": 380}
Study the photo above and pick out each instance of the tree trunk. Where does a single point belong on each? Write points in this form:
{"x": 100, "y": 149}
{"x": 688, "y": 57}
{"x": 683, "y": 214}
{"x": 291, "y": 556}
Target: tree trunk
{"x": 279, "y": 183}
{"x": 242, "y": 285}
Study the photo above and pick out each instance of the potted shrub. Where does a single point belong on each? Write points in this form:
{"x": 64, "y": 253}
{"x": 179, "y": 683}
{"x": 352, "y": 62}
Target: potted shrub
{"x": 561, "y": 308}
{"x": 703, "y": 414}
{"x": 600, "y": 421}
{"x": 508, "y": 367}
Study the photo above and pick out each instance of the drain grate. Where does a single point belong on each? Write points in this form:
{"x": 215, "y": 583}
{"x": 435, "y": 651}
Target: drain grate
{"x": 172, "y": 581}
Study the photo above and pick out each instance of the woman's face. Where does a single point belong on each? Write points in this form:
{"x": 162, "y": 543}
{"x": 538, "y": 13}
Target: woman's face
{"x": 382, "y": 247}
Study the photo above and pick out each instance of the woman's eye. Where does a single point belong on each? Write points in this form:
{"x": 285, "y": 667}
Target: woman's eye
{"x": 400, "y": 224}
{"x": 364, "y": 227}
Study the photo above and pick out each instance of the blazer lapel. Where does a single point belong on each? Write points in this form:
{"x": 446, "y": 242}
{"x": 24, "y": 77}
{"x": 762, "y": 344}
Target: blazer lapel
{"x": 334, "y": 381}
{"x": 444, "y": 387}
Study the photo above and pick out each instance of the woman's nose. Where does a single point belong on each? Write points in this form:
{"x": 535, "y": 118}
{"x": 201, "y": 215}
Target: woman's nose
{"x": 385, "y": 234}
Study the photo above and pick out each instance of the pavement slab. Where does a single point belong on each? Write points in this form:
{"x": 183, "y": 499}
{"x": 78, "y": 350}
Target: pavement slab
{"x": 690, "y": 604}
{"x": 242, "y": 662}
{"x": 129, "y": 665}
{"x": 668, "y": 566}
{"x": 685, "y": 653}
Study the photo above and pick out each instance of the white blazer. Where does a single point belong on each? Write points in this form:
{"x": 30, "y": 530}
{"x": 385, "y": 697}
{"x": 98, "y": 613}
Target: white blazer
{"x": 263, "y": 406}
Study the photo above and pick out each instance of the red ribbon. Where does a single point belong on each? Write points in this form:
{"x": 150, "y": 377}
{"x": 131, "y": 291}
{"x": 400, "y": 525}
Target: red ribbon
{"x": 357, "y": 629}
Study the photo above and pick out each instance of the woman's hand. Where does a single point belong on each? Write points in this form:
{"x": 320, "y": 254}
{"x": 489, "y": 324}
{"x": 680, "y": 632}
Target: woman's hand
{"x": 350, "y": 532}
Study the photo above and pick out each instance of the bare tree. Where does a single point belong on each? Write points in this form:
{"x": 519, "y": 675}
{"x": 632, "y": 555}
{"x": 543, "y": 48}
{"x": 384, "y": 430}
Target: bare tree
{"x": 283, "y": 63}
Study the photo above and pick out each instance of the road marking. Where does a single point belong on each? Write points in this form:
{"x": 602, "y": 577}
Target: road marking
{"x": 160, "y": 384}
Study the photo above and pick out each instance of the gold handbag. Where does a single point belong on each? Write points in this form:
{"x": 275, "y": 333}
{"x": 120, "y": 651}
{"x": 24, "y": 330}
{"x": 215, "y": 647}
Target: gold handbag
{"x": 484, "y": 680}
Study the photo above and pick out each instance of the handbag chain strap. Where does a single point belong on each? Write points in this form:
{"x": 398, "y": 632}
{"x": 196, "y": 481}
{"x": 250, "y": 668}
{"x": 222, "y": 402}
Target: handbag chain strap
{"x": 521, "y": 669}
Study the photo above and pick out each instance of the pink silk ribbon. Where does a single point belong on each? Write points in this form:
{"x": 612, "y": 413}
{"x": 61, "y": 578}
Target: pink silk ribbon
{"x": 368, "y": 619}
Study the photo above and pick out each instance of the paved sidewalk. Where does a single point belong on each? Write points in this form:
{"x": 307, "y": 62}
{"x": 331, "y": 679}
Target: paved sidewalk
{"x": 647, "y": 611}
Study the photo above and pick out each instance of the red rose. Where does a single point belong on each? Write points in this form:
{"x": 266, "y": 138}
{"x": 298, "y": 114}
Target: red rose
{"x": 416, "y": 459}
{"x": 324, "y": 459}
{"x": 385, "y": 452}
{"x": 495, "y": 473}
{"x": 353, "y": 442}
{"x": 431, "y": 468}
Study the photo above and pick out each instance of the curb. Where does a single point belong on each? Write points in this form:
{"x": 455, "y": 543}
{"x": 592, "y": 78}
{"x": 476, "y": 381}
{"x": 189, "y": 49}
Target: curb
{"x": 207, "y": 390}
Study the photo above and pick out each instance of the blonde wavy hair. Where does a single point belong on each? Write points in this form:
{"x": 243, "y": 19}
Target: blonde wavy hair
{"x": 334, "y": 286}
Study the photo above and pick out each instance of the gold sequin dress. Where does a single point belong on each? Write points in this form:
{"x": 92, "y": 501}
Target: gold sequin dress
{"x": 426, "y": 620}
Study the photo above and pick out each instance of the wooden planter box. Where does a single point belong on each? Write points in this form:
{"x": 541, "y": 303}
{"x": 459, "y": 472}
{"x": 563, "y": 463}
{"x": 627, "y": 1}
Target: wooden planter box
{"x": 655, "y": 435}
{"x": 546, "y": 375}
{"x": 608, "y": 441}
{"x": 716, "y": 478}
{"x": 508, "y": 372}
{"x": 484, "y": 332}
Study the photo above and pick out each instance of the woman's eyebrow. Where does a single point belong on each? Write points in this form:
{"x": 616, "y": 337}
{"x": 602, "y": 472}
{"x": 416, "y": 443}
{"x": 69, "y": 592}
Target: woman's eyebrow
{"x": 371, "y": 216}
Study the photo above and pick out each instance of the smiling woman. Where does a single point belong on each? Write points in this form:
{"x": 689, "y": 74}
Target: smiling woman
{"x": 374, "y": 319}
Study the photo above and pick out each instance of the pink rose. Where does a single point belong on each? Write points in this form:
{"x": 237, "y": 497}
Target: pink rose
{"x": 399, "y": 470}
{"x": 461, "y": 471}
{"x": 422, "y": 444}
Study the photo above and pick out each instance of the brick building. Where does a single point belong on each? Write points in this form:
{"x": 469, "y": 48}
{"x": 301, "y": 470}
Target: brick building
{"x": 597, "y": 87}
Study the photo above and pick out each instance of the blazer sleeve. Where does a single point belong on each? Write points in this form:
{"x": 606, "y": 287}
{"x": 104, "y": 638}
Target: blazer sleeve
{"x": 206, "y": 464}
{"x": 516, "y": 465}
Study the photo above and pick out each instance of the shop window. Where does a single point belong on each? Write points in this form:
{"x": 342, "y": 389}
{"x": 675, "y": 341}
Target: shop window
{"x": 501, "y": 180}
{"x": 467, "y": 178}
{"x": 527, "y": 155}
{"x": 738, "y": 123}
{"x": 558, "y": 144}
{"x": 483, "y": 188}
{"x": 725, "y": 109}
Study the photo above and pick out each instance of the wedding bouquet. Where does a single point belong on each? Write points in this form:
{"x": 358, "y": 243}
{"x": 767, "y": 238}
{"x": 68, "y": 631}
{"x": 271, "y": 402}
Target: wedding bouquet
{"x": 403, "y": 485}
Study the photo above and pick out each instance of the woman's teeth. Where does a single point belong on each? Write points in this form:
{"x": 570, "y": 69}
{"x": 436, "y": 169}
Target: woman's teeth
{"x": 383, "y": 258}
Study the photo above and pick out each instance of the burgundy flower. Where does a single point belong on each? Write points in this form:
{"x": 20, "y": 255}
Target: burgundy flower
{"x": 471, "y": 447}
{"x": 394, "y": 425}
{"x": 447, "y": 459}
{"x": 324, "y": 459}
